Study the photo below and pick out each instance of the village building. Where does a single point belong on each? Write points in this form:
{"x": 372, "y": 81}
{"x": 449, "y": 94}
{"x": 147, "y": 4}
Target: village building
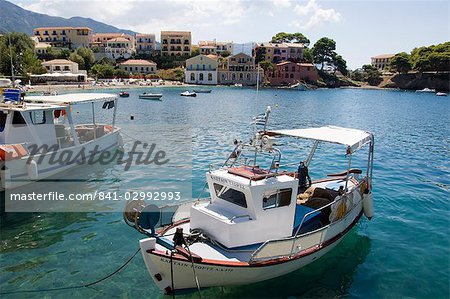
{"x": 138, "y": 66}
{"x": 288, "y": 73}
{"x": 201, "y": 69}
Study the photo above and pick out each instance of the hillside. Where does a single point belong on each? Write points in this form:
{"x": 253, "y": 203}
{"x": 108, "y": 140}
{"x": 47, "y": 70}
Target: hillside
{"x": 15, "y": 18}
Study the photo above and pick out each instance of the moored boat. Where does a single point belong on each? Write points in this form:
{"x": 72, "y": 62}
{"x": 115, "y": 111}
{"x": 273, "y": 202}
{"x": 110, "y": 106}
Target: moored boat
{"x": 441, "y": 94}
{"x": 39, "y": 130}
{"x": 427, "y": 90}
{"x": 188, "y": 94}
{"x": 263, "y": 219}
{"x": 150, "y": 96}
{"x": 124, "y": 94}
{"x": 202, "y": 90}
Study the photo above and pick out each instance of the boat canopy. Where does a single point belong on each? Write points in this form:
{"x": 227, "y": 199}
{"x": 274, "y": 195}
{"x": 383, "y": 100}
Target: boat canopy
{"x": 72, "y": 98}
{"x": 352, "y": 138}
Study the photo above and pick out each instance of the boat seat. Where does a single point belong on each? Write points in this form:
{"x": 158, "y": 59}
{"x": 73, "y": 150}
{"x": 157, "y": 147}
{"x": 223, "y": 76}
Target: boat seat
{"x": 253, "y": 173}
{"x": 312, "y": 222}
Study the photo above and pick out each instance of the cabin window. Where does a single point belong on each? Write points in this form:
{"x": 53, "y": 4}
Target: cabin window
{"x": 3, "y": 117}
{"x": 231, "y": 195}
{"x": 38, "y": 117}
{"x": 277, "y": 198}
{"x": 18, "y": 119}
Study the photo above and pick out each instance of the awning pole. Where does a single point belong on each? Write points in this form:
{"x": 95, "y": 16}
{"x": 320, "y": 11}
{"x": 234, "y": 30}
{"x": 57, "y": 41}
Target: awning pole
{"x": 114, "y": 114}
{"x": 348, "y": 171}
{"x": 311, "y": 153}
{"x": 93, "y": 121}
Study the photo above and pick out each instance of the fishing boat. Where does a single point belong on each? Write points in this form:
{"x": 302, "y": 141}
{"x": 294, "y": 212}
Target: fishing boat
{"x": 202, "y": 90}
{"x": 38, "y": 133}
{"x": 441, "y": 94}
{"x": 124, "y": 94}
{"x": 265, "y": 218}
{"x": 150, "y": 96}
{"x": 299, "y": 86}
{"x": 427, "y": 90}
{"x": 188, "y": 94}
{"x": 238, "y": 85}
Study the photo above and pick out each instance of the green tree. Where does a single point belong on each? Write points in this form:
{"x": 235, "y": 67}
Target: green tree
{"x": 357, "y": 75}
{"x": 78, "y": 59}
{"x": 18, "y": 48}
{"x": 340, "y": 64}
{"x": 308, "y": 55}
{"x": 283, "y": 37}
{"x": 88, "y": 57}
{"x": 195, "y": 50}
{"x": 266, "y": 65}
{"x": 121, "y": 73}
{"x": 324, "y": 51}
{"x": 400, "y": 63}
{"x": 225, "y": 54}
{"x": 103, "y": 70}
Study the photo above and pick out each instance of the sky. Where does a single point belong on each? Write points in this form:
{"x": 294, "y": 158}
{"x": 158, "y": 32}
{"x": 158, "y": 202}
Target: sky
{"x": 361, "y": 28}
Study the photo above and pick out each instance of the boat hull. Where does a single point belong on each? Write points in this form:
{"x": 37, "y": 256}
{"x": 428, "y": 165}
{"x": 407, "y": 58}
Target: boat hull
{"x": 221, "y": 273}
{"x": 209, "y": 275}
{"x": 19, "y": 172}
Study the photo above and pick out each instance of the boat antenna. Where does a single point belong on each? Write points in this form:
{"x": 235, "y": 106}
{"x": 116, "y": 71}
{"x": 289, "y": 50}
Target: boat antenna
{"x": 256, "y": 99}
{"x": 11, "y": 59}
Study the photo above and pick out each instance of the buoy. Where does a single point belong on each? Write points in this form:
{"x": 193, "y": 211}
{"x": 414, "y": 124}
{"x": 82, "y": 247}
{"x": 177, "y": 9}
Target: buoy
{"x": 368, "y": 204}
{"x": 132, "y": 117}
{"x": 32, "y": 169}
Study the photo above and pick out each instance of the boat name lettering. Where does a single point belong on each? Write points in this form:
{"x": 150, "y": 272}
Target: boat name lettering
{"x": 228, "y": 182}
{"x": 198, "y": 267}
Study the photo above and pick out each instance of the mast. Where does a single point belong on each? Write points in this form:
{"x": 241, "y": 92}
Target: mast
{"x": 11, "y": 59}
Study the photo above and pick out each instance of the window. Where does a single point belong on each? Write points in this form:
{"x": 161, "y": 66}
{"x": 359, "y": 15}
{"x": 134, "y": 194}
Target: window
{"x": 38, "y": 117}
{"x": 209, "y": 77}
{"x": 231, "y": 195}
{"x": 293, "y": 68}
{"x": 277, "y": 198}
{"x": 192, "y": 77}
{"x": 18, "y": 119}
{"x": 3, "y": 117}
{"x": 292, "y": 76}
{"x": 200, "y": 77}
{"x": 286, "y": 75}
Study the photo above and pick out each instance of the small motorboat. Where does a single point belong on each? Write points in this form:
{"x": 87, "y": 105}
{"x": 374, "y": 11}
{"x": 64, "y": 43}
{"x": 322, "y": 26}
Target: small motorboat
{"x": 188, "y": 94}
{"x": 124, "y": 94}
{"x": 265, "y": 216}
{"x": 150, "y": 96}
{"x": 238, "y": 84}
{"x": 202, "y": 90}
{"x": 427, "y": 90}
{"x": 441, "y": 94}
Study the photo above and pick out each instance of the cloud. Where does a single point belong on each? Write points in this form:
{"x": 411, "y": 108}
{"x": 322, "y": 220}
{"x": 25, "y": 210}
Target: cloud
{"x": 281, "y": 3}
{"x": 317, "y": 15}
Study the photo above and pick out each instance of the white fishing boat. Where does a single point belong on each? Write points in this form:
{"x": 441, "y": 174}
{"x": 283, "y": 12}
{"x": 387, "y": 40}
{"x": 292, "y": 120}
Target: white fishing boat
{"x": 36, "y": 131}
{"x": 150, "y": 96}
{"x": 428, "y": 90}
{"x": 299, "y": 86}
{"x": 188, "y": 94}
{"x": 441, "y": 94}
{"x": 261, "y": 221}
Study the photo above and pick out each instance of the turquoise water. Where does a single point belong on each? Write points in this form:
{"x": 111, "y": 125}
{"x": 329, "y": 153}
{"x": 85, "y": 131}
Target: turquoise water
{"x": 404, "y": 251}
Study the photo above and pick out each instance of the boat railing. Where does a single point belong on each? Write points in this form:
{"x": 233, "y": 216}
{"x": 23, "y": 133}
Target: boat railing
{"x": 240, "y": 216}
{"x": 287, "y": 247}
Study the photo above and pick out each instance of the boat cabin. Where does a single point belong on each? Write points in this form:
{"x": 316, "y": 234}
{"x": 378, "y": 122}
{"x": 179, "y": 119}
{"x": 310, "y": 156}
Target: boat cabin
{"x": 250, "y": 205}
{"x": 48, "y": 120}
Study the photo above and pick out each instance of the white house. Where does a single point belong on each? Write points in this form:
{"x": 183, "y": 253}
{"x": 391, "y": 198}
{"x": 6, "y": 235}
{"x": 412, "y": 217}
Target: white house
{"x": 201, "y": 69}
{"x": 119, "y": 47}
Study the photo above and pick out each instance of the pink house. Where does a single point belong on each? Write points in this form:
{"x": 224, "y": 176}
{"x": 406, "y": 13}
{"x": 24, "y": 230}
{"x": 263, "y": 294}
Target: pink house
{"x": 288, "y": 72}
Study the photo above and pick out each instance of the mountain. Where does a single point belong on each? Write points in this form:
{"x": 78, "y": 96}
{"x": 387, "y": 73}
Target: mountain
{"x": 15, "y": 18}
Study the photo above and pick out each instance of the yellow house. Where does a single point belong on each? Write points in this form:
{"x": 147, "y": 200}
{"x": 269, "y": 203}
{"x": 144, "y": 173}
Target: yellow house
{"x": 145, "y": 43}
{"x": 201, "y": 69}
{"x": 138, "y": 66}
{"x": 176, "y": 43}
{"x": 381, "y": 61}
{"x": 70, "y": 37}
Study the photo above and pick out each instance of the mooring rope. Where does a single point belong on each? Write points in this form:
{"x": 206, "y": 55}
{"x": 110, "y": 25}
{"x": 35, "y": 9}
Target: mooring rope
{"x": 76, "y": 286}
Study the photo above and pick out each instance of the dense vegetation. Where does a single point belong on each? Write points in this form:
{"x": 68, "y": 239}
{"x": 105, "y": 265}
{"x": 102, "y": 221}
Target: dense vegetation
{"x": 422, "y": 59}
{"x": 18, "y": 48}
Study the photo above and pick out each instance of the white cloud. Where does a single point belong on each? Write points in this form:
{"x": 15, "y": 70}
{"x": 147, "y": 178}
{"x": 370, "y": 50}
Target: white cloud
{"x": 281, "y": 3}
{"x": 317, "y": 15}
